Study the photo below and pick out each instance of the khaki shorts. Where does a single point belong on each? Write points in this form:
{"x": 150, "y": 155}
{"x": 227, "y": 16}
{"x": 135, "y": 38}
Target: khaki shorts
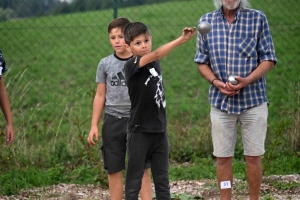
{"x": 253, "y": 128}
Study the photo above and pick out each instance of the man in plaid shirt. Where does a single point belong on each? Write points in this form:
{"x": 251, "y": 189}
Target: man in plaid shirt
{"x": 239, "y": 44}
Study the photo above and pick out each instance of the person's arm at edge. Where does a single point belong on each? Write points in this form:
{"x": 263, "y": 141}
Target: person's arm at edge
{"x": 187, "y": 34}
{"x": 98, "y": 105}
{"x": 5, "y": 106}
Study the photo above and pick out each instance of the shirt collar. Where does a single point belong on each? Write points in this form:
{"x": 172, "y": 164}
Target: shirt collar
{"x": 236, "y": 15}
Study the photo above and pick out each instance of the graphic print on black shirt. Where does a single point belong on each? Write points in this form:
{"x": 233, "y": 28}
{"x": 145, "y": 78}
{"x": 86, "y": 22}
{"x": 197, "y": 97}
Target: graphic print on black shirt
{"x": 2, "y": 65}
{"x": 159, "y": 96}
{"x": 147, "y": 95}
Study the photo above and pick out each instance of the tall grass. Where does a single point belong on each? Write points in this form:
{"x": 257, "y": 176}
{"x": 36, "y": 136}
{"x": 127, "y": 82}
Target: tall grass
{"x": 294, "y": 112}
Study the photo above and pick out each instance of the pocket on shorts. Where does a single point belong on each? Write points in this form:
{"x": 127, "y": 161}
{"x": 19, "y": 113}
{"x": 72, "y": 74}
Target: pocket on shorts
{"x": 105, "y": 118}
{"x": 103, "y": 156}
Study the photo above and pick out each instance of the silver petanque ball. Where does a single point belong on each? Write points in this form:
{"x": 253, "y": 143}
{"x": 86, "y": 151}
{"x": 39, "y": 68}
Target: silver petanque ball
{"x": 204, "y": 28}
{"x": 232, "y": 80}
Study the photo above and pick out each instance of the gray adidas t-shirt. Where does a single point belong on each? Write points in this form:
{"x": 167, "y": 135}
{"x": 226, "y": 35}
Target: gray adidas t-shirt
{"x": 111, "y": 72}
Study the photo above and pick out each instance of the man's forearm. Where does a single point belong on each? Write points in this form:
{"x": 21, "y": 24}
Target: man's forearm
{"x": 260, "y": 71}
{"x": 206, "y": 72}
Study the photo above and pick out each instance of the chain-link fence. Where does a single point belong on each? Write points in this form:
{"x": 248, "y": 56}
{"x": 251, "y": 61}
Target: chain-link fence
{"x": 52, "y": 59}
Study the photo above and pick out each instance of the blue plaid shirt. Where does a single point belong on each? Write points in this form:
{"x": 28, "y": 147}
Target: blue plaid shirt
{"x": 237, "y": 49}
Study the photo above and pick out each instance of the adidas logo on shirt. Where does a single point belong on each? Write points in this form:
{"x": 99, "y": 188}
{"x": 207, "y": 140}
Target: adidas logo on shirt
{"x": 118, "y": 80}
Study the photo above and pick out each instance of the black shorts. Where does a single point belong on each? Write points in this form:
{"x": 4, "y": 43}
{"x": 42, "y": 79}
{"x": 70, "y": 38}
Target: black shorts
{"x": 114, "y": 143}
{"x": 114, "y": 138}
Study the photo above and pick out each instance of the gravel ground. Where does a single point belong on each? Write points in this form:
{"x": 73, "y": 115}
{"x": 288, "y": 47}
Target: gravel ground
{"x": 195, "y": 189}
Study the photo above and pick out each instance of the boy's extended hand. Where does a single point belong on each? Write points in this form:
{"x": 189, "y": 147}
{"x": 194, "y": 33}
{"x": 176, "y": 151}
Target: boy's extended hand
{"x": 93, "y": 134}
{"x": 188, "y": 33}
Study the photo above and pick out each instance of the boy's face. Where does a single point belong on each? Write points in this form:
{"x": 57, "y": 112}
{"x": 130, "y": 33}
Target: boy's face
{"x": 117, "y": 42}
{"x": 141, "y": 45}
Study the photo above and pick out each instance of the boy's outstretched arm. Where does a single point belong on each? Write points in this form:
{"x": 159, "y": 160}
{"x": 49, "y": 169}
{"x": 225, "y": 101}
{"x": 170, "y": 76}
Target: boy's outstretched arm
{"x": 187, "y": 34}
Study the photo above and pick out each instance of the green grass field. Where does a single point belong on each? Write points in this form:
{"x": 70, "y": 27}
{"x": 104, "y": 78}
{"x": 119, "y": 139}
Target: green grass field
{"x": 51, "y": 84}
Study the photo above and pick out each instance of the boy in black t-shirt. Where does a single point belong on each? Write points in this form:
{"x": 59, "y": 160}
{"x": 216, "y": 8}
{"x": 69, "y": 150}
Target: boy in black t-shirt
{"x": 146, "y": 135}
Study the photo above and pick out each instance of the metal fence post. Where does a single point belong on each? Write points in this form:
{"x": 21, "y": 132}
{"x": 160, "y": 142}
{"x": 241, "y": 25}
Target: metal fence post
{"x": 115, "y": 9}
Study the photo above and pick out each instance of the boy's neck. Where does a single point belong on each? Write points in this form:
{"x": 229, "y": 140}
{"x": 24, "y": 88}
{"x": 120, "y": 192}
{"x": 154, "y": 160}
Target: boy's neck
{"x": 124, "y": 55}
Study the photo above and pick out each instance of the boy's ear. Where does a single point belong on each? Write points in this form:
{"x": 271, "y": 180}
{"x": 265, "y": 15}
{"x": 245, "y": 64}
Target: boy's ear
{"x": 127, "y": 47}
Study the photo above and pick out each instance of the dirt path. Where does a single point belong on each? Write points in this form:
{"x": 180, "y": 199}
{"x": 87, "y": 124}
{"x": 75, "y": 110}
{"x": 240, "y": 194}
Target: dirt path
{"x": 273, "y": 188}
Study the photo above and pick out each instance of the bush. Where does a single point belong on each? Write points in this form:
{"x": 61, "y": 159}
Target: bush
{"x": 7, "y": 14}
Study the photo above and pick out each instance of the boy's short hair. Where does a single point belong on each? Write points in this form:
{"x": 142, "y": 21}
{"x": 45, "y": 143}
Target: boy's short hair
{"x": 120, "y": 22}
{"x": 134, "y": 29}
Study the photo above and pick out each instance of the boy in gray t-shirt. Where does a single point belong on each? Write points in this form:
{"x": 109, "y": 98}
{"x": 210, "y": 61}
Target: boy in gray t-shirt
{"x": 112, "y": 96}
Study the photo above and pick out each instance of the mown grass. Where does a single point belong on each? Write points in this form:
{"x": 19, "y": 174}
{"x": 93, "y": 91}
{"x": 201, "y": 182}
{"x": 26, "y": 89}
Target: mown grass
{"x": 51, "y": 86}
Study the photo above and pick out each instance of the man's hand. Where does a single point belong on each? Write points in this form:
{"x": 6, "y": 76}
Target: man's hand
{"x": 226, "y": 88}
{"x": 242, "y": 82}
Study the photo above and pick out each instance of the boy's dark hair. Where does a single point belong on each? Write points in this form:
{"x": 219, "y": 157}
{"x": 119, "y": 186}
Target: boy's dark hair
{"x": 134, "y": 29}
{"x": 120, "y": 22}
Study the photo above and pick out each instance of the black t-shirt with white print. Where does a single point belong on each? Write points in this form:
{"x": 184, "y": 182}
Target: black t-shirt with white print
{"x": 3, "y": 67}
{"x": 146, "y": 92}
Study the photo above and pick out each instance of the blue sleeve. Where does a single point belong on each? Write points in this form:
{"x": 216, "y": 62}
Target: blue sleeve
{"x": 202, "y": 54}
{"x": 265, "y": 46}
